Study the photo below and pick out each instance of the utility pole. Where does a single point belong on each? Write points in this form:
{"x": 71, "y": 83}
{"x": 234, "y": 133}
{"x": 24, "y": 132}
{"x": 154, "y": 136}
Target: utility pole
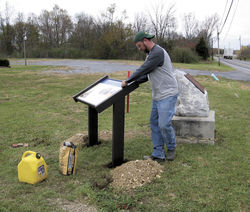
{"x": 212, "y": 49}
{"x": 218, "y": 35}
{"x": 240, "y": 46}
{"x": 240, "y": 42}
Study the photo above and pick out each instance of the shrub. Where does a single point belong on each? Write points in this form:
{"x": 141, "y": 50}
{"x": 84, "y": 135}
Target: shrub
{"x": 244, "y": 54}
{"x": 4, "y": 62}
{"x": 56, "y": 53}
{"x": 183, "y": 55}
{"x": 77, "y": 53}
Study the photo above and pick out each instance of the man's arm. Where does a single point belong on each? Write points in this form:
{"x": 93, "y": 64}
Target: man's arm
{"x": 155, "y": 59}
{"x": 142, "y": 79}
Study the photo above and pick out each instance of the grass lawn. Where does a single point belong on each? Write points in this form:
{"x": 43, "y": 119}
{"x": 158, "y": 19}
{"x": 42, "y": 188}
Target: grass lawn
{"x": 207, "y": 66}
{"x": 37, "y": 108}
{"x": 202, "y": 65}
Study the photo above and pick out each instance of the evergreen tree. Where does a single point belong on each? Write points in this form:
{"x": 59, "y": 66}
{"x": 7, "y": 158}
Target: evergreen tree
{"x": 202, "y": 49}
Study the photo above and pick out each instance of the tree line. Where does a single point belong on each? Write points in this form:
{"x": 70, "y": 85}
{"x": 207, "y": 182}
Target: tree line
{"x": 55, "y": 34}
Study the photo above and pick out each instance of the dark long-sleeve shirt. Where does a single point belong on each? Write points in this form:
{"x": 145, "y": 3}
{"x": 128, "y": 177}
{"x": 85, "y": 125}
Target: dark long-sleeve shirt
{"x": 158, "y": 70}
{"x": 154, "y": 59}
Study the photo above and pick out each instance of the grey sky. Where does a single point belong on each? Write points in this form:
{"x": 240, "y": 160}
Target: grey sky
{"x": 201, "y": 8}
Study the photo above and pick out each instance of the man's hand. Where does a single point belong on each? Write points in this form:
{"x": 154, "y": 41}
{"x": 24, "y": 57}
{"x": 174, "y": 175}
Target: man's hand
{"x": 124, "y": 84}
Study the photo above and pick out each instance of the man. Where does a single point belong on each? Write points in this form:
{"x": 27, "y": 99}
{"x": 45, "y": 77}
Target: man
{"x": 157, "y": 68}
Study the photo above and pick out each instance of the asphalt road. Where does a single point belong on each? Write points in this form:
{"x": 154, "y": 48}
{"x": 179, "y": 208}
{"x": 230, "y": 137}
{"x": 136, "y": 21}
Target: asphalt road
{"x": 82, "y": 66}
{"x": 242, "y": 71}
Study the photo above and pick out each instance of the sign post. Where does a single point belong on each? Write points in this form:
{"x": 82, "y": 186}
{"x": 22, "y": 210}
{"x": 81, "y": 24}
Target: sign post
{"x": 93, "y": 126}
{"x": 118, "y": 132}
{"x": 99, "y": 96}
{"x": 128, "y": 96}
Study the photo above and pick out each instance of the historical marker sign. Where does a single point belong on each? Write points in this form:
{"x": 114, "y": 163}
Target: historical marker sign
{"x": 101, "y": 92}
{"x": 99, "y": 96}
{"x": 195, "y": 83}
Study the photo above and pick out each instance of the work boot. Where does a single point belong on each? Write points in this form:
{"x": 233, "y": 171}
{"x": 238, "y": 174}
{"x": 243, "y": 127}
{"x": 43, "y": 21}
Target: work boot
{"x": 159, "y": 160}
{"x": 171, "y": 154}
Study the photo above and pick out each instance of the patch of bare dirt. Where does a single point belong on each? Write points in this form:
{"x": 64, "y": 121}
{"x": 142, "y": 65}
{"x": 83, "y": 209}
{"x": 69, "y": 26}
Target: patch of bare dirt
{"x": 135, "y": 174}
{"x": 4, "y": 100}
{"x": 245, "y": 86}
{"x": 81, "y": 139}
{"x": 78, "y": 139}
{"x": 73, "y": 206}
{"x": 129, "y": 175}
{"x": 107, "y": 135}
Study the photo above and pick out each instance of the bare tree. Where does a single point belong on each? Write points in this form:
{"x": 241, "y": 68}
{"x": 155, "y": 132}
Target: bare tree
{"x": 55, "y": 26}
{"x": 32, "y": 32}
{"x": 27, "y": 28}
{"x": 108, "y": 15}
{"x": 45, "y": 27}
{"x": 140, "y": 22}
{"x": 7, "y": 37}
{"x": 9, "y": 11}
{"x": 207, "y": 28}
{"x": 190, "y": 26}
{"x": 61, "y": 25}
{"x": 163, "y": 21}
{"x": 83, "y": 30}
{"x": 19, "y": 32}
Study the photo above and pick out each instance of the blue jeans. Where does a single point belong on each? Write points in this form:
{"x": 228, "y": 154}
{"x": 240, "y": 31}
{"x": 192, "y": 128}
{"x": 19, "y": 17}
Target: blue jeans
{"x": 162, "y": 131}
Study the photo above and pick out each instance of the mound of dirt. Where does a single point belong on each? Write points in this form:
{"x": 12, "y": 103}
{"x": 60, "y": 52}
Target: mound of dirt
{"x": 79, "y": 139}
{"x": 135, "y": 174}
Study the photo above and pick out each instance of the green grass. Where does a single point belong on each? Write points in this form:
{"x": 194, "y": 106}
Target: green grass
{"x": 202, "y": 65}
{"x": 38, "y": 109}
{"x": 207, "y": 66}
{"x": 17, "y": 68}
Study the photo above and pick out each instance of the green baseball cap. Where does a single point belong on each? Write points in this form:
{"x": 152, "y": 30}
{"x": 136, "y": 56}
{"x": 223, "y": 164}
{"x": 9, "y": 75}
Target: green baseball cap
{"x": 140, "y": 35}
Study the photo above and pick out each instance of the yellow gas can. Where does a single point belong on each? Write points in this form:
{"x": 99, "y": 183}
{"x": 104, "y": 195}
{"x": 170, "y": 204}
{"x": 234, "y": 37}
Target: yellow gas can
{"x": 32, "y": 168}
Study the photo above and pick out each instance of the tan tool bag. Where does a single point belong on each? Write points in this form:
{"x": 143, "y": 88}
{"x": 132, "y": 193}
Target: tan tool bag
{"x": 68, "y": 158}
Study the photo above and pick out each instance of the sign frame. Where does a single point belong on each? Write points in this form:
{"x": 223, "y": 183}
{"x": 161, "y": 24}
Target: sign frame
{"x": 109, "y": 101}
{"x": 118, "y": 102}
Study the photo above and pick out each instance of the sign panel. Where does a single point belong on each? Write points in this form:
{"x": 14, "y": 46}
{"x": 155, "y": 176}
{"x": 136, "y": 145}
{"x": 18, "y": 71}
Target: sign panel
{"x": 101, "y": 92}
{"x": 195, "y": 83}
{"x": 99, "y": 96}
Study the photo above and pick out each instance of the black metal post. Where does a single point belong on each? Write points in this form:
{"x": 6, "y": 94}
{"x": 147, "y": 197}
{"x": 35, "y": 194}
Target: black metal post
{"x": 93, "y": 126}
{"x": 118, "y": 132}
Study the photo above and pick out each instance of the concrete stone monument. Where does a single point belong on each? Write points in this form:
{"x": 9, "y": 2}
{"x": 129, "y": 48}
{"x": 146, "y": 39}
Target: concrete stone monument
{"x": 193, "y": 121}
{"x": 191, "y": 101}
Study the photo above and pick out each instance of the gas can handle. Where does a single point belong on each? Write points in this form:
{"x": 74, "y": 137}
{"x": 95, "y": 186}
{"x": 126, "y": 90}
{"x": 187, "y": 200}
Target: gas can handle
{"x": 28, "y": 153}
